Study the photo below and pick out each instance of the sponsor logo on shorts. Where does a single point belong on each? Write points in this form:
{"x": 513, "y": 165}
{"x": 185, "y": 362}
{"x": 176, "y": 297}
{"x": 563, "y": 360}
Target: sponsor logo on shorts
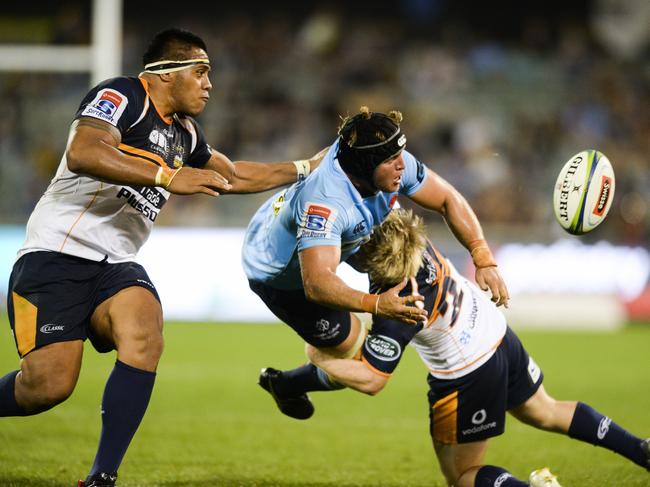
{"x": 501, "y": 479}
{"x": 108, "y": 105}
{"x": 383, "y": 348}
{"x": 479, "y": 416}
{"x": 533, "y": 370}
{"x": 145, "y": 282}
{"x": 603, "y": 427}
{"x": 479, "y": 428}
{"x": 51, "y": 328}
{"x": 322, "y": 325}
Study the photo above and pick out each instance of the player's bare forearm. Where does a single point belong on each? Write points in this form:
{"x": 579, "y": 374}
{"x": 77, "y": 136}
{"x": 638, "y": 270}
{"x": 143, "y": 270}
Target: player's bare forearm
{"x": 254, "y": 177}
{"x": 348, "y": 372}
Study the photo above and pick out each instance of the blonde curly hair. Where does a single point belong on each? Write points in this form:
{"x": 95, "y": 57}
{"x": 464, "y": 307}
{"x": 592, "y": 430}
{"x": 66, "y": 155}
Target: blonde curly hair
{"x": 395, "y": 248}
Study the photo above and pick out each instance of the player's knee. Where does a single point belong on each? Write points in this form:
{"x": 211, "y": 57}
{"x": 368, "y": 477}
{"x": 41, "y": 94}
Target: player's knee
{"x": 141, "y": 346}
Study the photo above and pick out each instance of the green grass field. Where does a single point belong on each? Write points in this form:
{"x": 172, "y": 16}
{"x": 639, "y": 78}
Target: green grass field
{"x": 210, "y": 424}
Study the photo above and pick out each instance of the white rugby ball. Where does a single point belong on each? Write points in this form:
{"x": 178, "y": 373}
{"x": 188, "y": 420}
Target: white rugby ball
{"x": 584, "y": 191}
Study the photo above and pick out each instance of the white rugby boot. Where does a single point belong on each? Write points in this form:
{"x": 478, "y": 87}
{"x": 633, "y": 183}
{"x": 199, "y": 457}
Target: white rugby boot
{"x": 543, "y": 478}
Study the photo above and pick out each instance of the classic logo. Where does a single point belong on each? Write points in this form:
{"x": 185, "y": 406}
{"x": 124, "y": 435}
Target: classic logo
{"x": 603, "y": 427}
{"x": 383, "y": 348}
{"x": 51, "y": 328}
{"x": 402, "y": 140}
{"x": 605, "y": 191}
{"x": 479, "y": 416}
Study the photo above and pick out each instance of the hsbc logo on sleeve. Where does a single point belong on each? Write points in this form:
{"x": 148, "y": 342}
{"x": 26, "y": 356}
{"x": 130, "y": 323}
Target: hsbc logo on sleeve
{"x": 108, "y": 105}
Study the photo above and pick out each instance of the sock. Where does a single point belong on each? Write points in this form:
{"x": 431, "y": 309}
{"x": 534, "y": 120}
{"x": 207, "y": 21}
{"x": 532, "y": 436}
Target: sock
{"x": 125, "y": 401}
{"x": 489, "y": 476}
{"x": 304, "y": 379}
{"x": 8, "y": 404}
{"x": 591, "y": 426}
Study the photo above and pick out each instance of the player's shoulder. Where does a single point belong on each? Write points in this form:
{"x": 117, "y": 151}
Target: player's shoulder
{"x": 124, "y": 84}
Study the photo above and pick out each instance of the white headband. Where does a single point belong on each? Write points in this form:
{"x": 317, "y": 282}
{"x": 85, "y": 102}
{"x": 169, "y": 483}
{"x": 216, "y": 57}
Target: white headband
{"x": 167, "y": 66}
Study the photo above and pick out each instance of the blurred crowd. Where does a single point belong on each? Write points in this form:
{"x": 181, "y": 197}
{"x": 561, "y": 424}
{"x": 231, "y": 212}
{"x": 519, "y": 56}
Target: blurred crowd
{"x": 495, "y": 115}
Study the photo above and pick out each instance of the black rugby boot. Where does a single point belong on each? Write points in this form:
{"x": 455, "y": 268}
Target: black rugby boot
{"x": 298, "y": 407}
{"x": 99, "y": 480}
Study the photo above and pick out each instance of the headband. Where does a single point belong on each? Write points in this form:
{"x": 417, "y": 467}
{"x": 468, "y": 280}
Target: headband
{"x": 162, "y": 67}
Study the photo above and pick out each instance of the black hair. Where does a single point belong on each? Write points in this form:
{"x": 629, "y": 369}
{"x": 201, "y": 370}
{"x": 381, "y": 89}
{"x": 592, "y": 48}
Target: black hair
{"x": 173, "y": 44}
{"x": 368, "y": 139}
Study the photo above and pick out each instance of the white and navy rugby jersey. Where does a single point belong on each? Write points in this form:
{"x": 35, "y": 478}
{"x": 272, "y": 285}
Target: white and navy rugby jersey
{"x": 463, "y": 331}
{"x": 324, "y": 209}
{"x": 85, "y": 217}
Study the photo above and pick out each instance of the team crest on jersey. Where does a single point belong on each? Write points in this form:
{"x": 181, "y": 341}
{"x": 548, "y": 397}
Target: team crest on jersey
{"x": 317, "y": 221}
{"x": 108, "y": 105}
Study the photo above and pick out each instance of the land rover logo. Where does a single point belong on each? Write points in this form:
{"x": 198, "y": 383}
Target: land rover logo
{"x": 383, "y": 348}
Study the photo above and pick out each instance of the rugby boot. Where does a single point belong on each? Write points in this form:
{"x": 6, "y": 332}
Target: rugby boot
{"x": 99, "y": 480}
{"x": 543, "y": 478}
{"x": 298, "y": 407}
{"x": 645, "y": 446}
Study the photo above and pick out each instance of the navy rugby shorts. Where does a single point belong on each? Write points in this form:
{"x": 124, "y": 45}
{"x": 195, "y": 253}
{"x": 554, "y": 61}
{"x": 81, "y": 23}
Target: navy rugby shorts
{"x": 473, "y": 407}
{"x": 53, "y": 295}
{"x": 318, "y": 325}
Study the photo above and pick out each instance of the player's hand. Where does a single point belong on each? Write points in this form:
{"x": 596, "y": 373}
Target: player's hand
{"x": 189, "y": 180}
{"x": 401, "y": 308}
{"x": 489, "y": 279}
{"x": 315, "y": 160}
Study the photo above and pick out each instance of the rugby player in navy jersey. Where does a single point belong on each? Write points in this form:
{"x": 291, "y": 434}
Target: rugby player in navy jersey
{"x": 133, "y": 142}
{"x": 296, "y": 240}
{"x": 478, "y": 368}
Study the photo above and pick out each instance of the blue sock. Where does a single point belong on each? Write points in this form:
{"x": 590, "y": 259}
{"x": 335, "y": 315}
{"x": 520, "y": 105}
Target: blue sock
{"x": 489, "y": 476}
{"x": 125, "y": 400}
{"x": 8, "y": 404}
{"x": 304, "y": 379}
{"x": 591, "y": 426}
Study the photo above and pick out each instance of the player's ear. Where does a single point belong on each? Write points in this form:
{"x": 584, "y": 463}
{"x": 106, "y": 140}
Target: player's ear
{"x": 167, "y": 77}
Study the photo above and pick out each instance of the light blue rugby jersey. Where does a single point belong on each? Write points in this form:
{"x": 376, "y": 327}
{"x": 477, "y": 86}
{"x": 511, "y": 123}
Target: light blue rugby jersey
{"x": 323, "y": 209}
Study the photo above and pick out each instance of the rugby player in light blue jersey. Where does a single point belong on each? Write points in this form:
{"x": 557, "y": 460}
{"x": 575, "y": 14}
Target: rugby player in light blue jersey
{"x": 297, "y": 239}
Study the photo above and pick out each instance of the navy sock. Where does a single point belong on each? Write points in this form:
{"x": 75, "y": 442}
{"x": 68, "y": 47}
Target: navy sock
{"x": 125, "y": 400}
{"x": 489, "y": 476}
{"x": 304, "y": 379}
{"x": 8, "y": 404}
{"x": 591, "y": 426}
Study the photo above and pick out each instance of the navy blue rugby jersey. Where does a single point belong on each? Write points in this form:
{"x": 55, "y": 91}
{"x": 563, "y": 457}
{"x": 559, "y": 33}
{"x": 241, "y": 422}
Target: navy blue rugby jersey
{"x": 83, "y": 216}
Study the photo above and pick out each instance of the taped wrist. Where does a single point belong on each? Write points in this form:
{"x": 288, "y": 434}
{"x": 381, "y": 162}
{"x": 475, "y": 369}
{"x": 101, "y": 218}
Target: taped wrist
{"x": 164, "y": 176}
{"x": 303, "y": 168}
{"x": 481, "y": 254}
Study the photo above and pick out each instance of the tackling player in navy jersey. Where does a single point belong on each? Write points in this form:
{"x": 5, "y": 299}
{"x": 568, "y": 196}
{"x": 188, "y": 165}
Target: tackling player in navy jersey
{"x": 297, "y": 239}
{"x": 478, "y": 368}
{"x": 133, "y": 142}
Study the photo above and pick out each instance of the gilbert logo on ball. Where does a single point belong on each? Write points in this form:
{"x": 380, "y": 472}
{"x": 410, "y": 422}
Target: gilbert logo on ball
{"x": 584, "y": 191}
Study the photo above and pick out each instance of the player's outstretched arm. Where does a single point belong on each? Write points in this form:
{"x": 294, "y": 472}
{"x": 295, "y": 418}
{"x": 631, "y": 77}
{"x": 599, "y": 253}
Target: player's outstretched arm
{"x": 438, "y": 195}
{"x": 253, "y": 177}
{"x": 92, "y": 151}
{"x": 322, "y": 285}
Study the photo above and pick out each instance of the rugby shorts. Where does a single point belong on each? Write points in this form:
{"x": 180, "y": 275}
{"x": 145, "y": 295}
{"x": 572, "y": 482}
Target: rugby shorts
{"x": 53, "y": 295}
{"x": 318, "y": 325}
{"x": 473, "y": 407}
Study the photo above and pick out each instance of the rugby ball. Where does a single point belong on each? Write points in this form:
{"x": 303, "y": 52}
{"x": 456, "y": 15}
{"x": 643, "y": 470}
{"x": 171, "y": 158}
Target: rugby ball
{"x": 584, "y": 191}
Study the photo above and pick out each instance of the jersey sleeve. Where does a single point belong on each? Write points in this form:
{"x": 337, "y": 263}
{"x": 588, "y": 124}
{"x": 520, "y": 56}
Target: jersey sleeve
{"x": 319, "y": 222}
{"x": 415, "y": 173}
{"x": 385, "y": 344}
{"x": 118, "y": 101}
{"x": 201, "y": 151}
